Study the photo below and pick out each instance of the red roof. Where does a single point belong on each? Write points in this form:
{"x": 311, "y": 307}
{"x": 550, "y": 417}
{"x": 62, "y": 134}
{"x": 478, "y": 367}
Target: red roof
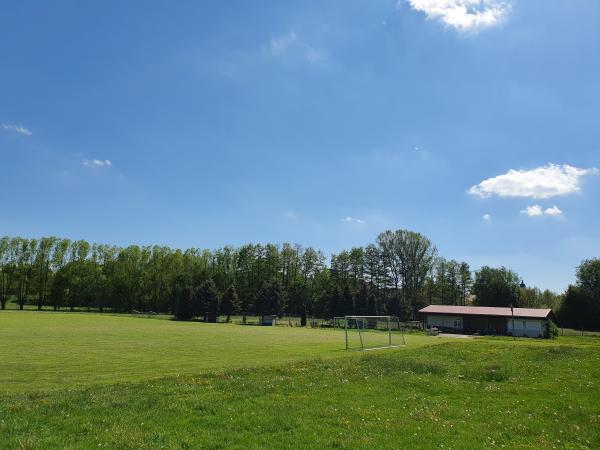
{"x": 486, "y": 311}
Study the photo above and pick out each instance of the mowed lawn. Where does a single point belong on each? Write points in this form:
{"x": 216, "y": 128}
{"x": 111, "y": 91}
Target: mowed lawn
{"x": 484, "y": 393}
{"x": 45, "y": 350}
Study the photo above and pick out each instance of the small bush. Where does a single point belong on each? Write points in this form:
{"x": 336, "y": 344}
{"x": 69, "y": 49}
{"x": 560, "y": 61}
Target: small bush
{"x": 551, "y": 330}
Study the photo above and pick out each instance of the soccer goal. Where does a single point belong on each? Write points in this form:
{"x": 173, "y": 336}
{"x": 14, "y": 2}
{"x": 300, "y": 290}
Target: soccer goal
{"x": 371, "y": 332}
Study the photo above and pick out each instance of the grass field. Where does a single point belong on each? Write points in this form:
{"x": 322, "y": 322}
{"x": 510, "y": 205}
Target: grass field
{"x": 93, "y": 381}
{"x": 47, "y": 350}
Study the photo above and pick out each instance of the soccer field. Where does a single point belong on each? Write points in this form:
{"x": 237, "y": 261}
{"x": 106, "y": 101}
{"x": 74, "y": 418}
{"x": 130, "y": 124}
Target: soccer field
{"x": 93, "y": 381}
{"x": 48, "y": 350}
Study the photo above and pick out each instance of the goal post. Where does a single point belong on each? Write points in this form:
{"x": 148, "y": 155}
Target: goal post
{"x": 371, "y": 332}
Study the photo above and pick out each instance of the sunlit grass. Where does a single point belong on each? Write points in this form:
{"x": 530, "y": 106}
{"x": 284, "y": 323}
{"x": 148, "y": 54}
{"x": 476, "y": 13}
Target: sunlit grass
{"x": 52, "y": 350}
{"x": 483, "y": 393}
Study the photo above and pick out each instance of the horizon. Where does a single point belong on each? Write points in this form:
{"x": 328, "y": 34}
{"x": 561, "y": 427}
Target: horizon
{"x": 200, "y": 125}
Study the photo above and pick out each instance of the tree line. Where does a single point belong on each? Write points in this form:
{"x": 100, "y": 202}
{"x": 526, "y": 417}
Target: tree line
{"x": 580, "y": 308}
{"x": 397, "y": 274}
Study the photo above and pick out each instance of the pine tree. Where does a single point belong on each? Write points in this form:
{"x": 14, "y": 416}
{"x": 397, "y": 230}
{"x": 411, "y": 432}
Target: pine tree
{"x": 231, "y": 303}
{"x": 347, "y": 300}
{"x": 361, "y": 299}
{"x": 371, "y": 301}
{"x": 210, "y": 300}
{"x": 184, "y": 310}
{"x": 333, "y": 301}
{"x": 197, "y": 303}
{"x": 270, "y": 299}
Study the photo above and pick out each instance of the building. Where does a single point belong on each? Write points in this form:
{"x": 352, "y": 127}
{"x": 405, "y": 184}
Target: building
{"x": 530, "y": 322}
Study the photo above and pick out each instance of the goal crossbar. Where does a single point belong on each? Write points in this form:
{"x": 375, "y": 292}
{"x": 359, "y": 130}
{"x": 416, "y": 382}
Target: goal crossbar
{"x": 361, "y": 325}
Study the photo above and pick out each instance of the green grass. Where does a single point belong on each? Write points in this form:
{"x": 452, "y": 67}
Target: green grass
{"x": 572, "y": 332}
{"x": 286, "y": 388}
{"x": 45, "y": 350}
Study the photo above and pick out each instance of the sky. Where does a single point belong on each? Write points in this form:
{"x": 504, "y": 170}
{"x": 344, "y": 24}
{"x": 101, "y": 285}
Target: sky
{"x": 204, "y": 124}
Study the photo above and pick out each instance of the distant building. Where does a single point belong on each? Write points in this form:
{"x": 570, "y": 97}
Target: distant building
{"x": 530, "y": 322}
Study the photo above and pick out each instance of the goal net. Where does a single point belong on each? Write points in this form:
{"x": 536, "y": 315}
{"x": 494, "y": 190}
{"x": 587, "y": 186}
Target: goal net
{"x": 371, "y": 332}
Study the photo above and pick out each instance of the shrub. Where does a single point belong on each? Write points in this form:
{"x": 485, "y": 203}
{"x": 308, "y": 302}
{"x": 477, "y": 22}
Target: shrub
{"x": 551, "y": 330}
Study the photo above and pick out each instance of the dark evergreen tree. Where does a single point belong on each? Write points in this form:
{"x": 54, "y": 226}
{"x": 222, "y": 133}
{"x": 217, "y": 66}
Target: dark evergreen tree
{"x": 184, "y": 309}
{"x": 231, "y": 303}
{"x": 334, "y": 301}
{"x": 270, "y": 299}
{"x": 197, "y": 305}
{"x": 371, "y": 302}
{"x": 60, "y": 289}
{"x": 209, "y": 298}
{"x": 361, "y": 299}
{"x": 347, "y": 301}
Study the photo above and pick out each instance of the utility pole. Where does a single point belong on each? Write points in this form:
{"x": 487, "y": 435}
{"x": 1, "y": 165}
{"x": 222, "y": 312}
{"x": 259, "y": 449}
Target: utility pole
{"x": 512, "y": 313}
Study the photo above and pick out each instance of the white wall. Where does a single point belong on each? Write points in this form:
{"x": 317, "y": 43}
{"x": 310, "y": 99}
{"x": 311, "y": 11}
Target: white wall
{"x": 443, "y": 321}
{"x": 526, "y": 327}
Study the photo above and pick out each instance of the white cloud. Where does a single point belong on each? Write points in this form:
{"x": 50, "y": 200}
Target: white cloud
{"x": 536, "y": 210}
{"x": 289, "y": 45}
{"x": 463, "y": 15}
{"x": 554, "y": 211}
{"x": 532, "y": 211}
{"x": 353, "y": 220}
{"x": 17, "y": 129}
{"x": 97, "y": 163}
{"x": 487, "y": 217}
{"x": 543, "y": 182}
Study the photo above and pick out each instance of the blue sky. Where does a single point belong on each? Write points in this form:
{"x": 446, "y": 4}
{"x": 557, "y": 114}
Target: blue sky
{"x": 210, "y": 123}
